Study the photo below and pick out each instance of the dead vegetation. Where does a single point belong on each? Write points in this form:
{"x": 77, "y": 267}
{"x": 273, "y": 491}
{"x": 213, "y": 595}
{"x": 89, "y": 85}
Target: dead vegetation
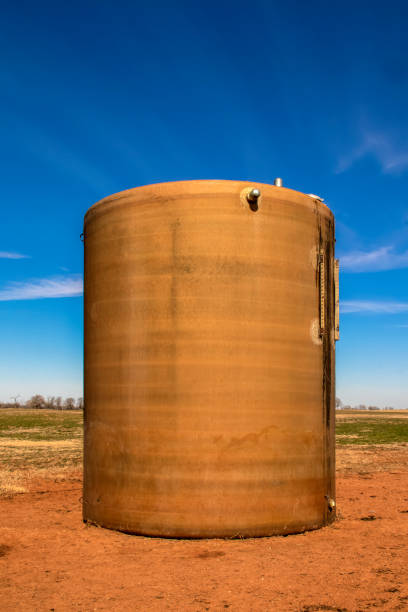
{"x": 12, "y": 483}
{"x": 48, "y": 444}
{"x": 37, "y": 444}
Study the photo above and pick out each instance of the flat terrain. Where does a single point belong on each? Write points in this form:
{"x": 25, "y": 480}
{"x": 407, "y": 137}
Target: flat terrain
{"x": 38, "y": 443}
{"x": 49, "y": 560}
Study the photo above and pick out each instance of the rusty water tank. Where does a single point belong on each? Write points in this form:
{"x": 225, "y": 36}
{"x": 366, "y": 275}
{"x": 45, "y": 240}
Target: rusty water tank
{"x": 209, "y": 360}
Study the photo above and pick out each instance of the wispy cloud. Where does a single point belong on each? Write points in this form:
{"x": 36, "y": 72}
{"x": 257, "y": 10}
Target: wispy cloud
{"x": 9, "y": 255}
{"x": 373, "y": 307}
{"x": 392, "y": 156}
{"x": 383, "y": 258}
{"x": 55, "y": 287}
{"x": 65, "y": 157}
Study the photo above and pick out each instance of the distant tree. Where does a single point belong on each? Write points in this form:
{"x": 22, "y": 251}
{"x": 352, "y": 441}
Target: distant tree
{"x": 50, "y": 403}
{"x": 80, "y": 403}
{"x": 339, "y": 403}
{"x": 361, "y": 407}
{"x": 15, "y": 400}
{"x": 69, "y": 403}
{"x": 347, "y": 407}
{"x": 58, "y": 402}
{"x": 373, "y": 408}
{"x": 36, "y": 402}
{"x": 389, "y": 408}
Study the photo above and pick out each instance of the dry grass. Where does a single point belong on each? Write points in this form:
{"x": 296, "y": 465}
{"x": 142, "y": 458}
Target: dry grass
{"x": 367, "y": 414}
{"x": 367, "y": 459}
{"x": 37, "y": 444}
{"x": 23, "y": 454}
{"x": 11, "y": 483}
{"x": 48, "y": 444}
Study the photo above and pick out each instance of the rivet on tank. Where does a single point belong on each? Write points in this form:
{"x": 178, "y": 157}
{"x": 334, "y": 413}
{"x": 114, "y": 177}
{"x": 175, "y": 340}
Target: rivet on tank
{"x": 211, "y": 314}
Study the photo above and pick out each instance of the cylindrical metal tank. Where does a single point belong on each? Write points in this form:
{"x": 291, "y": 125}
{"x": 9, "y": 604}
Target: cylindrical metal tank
{"x": 209, "y": 360}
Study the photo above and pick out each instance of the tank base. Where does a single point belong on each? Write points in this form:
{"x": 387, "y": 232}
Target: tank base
{"x": 225, "y": 535}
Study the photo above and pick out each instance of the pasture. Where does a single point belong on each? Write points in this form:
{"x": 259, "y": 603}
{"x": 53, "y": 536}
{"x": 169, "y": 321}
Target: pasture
{"x": 49, "y": 560}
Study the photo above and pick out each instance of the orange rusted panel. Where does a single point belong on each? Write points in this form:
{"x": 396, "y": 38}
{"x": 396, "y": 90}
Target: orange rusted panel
{"x": 209, "y": 377}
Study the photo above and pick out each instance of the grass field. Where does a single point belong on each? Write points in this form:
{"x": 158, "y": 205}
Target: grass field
{"x": 38, "y": 443}
{"x": 40, "y": 424}
{"x": 49, "y": 442}
{"x": 378, "y": 428}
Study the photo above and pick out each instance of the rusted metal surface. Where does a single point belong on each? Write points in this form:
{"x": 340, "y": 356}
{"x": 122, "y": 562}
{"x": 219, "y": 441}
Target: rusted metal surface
{"x": 209, "y": 384}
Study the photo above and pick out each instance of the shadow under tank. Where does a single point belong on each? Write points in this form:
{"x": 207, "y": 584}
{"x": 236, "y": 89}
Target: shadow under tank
{"x": 210, "y": 325}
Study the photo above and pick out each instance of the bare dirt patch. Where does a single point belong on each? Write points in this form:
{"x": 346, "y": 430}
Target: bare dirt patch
{"x": 53, "y": 561}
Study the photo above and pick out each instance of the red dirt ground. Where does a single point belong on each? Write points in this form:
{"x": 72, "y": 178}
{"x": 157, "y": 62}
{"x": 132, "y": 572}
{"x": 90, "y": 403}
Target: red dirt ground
{"x": 51, "y": 561}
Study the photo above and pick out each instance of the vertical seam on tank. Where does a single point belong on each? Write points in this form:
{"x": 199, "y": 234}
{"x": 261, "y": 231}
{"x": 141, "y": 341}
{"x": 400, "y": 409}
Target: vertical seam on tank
{"x": 327, "y": 360}
{"x": 85, "y": 411}
{"x": 317, "y": 281}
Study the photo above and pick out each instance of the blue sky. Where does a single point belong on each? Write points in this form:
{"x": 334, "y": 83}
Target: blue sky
{"x": 102, "y": 96}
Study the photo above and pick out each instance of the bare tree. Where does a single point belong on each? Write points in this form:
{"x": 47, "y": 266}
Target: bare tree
{"x": 58, "y": 402}
{"x": 69, "y": 403}
{"x": 80, "y": 403}
{"x": 339, "y": 403}
{"x": 36, "y": 401}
